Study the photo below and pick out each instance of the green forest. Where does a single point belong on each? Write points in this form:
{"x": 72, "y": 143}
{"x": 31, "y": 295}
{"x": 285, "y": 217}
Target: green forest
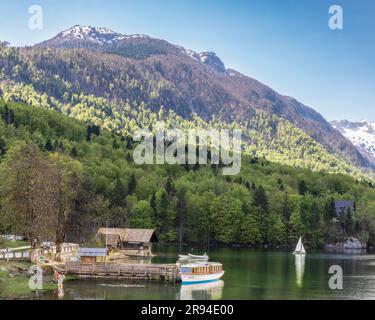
{"x": 62, "y": 178}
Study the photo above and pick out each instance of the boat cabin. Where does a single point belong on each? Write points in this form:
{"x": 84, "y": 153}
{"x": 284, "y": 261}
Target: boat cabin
{"x": 204, "y": 268}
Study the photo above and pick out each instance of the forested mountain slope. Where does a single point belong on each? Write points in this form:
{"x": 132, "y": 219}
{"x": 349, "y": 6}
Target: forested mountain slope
{"x": 95, "y": 72}
{"x": 88, "y": 177}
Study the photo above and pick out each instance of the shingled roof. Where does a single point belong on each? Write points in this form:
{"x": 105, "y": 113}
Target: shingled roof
{"x": 130, "y": 235}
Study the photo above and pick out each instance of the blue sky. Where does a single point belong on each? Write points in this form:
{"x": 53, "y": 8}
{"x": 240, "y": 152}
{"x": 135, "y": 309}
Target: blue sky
{"x": 285, "y": 44}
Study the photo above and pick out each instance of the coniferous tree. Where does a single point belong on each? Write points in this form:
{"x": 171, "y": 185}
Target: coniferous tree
{"x": 261, "y": 200}
{"x": 48, "y": 146}
{"x": 8, "y": 115}
{"x": 169, "y": 186}
{"x": 88, "y": 133}
{"x": 247, "y": 185}
{"x": 164, "y": 204}
{"x": 181, "y": 215}
{"x": 153, "y": 206}
{"x": 119, "y": 193}
{"x": 132, "y": 184}
{"x": 302, "y": 188}
{"x": 128, "y": 143}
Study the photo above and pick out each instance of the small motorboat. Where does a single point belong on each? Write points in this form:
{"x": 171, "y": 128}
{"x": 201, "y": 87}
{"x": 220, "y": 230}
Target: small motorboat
{"x": 183, "y": 257}
{"x": 197, "y": 257}
{"x": 201, "y": 272}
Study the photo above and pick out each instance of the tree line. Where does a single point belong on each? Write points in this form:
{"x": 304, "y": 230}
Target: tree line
{"x": 61, "y": 179}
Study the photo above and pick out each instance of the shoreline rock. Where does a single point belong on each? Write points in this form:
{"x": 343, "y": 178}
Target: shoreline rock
{"x": 350, "y": 244}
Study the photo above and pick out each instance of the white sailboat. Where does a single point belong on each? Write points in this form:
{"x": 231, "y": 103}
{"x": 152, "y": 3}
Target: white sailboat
{"x": 300, "y": 249}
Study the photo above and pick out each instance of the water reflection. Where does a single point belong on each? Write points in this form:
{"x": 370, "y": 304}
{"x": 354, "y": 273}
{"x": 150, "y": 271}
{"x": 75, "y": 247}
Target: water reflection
{"x": 300, "y": 269}
{"x": 202, "y": 291}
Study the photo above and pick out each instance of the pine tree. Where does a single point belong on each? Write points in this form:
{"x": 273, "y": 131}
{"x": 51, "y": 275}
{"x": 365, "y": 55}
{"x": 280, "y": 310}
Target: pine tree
{"x": 349, "y": 222}
{"x": 261, "y": 200}
{"x": 8, "y": 115}
{"x": 181, "y": 215}
{"x": 119, "y": 193}
{"x": 132, "y": 184}
{"x": 48, "y": 146}
{"x": 153, "y": 206}
{"x": 88, "y": 133}
{"x": 164, "y": 204}
{"x": 169, "y": 186}
{"x": 302, "y": 188}
{"x": 128, "y": 143}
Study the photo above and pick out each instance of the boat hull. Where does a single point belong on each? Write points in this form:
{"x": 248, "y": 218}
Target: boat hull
{"x": 200, "y": 278}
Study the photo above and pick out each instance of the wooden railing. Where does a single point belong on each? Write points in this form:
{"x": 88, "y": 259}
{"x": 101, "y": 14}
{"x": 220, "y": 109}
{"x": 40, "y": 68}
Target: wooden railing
{"x": 20, "y": 253}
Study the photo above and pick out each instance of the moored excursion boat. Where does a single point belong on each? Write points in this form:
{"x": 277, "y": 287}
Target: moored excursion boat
{"x": 200, "y": 272}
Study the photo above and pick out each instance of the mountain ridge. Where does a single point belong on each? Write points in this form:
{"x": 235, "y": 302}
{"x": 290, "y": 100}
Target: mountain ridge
{"x": 361, "y": 134}
{"x": 130, "y": 69}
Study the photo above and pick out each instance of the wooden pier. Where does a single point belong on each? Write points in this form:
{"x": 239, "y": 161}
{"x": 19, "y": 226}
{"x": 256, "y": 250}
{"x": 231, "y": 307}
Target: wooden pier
{"x": 163, "y": 272}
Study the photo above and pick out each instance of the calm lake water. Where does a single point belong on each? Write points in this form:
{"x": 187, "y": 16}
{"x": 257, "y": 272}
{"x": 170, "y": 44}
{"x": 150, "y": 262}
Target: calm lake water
{"x": 249, "y": 274}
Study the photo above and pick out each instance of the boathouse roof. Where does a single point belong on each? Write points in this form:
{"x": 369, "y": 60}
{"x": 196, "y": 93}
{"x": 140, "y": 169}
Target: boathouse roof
{"x": 92, "y": 252}
{"x": 113, "y": 239}
{"x": 129, "y": 234}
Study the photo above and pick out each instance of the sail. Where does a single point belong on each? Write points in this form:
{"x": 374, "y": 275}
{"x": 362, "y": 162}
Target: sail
{"x": 300, "y": 248}
{"x": 299, "y": 245}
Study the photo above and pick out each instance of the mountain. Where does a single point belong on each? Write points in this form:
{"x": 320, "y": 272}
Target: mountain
{"x": 86, "y": 36}
{"x": 361, "y": 134}
{"x": 97, "y": 74}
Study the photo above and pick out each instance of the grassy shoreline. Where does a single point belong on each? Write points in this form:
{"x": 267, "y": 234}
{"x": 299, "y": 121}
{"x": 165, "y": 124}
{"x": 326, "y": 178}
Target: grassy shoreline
{"x": 14, "y": 281}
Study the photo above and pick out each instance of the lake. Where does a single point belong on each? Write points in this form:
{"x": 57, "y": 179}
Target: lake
{"x": 249, "y": 274}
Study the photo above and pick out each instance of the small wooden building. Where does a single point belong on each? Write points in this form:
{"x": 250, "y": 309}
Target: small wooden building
{"x": 133, "y": 241}
{"x": 343, "y": 206}
{"x": 92, "y": 255}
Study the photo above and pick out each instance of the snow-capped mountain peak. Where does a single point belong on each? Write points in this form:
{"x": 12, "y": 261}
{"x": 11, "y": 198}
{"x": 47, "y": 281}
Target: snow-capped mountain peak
{"x": 361, "y": 134}
{"x": 92, "y": 35}
{"x": 95, "y": 34}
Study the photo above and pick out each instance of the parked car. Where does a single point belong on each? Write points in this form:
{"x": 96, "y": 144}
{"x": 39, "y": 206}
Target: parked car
{"x": 46, "y": 245}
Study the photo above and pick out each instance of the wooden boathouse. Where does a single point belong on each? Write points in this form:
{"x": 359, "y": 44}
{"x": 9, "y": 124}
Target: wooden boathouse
{"x": 133, "y": 242}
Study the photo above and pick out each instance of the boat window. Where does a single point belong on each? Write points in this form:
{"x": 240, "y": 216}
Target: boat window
{"x": 186, "y": 269}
